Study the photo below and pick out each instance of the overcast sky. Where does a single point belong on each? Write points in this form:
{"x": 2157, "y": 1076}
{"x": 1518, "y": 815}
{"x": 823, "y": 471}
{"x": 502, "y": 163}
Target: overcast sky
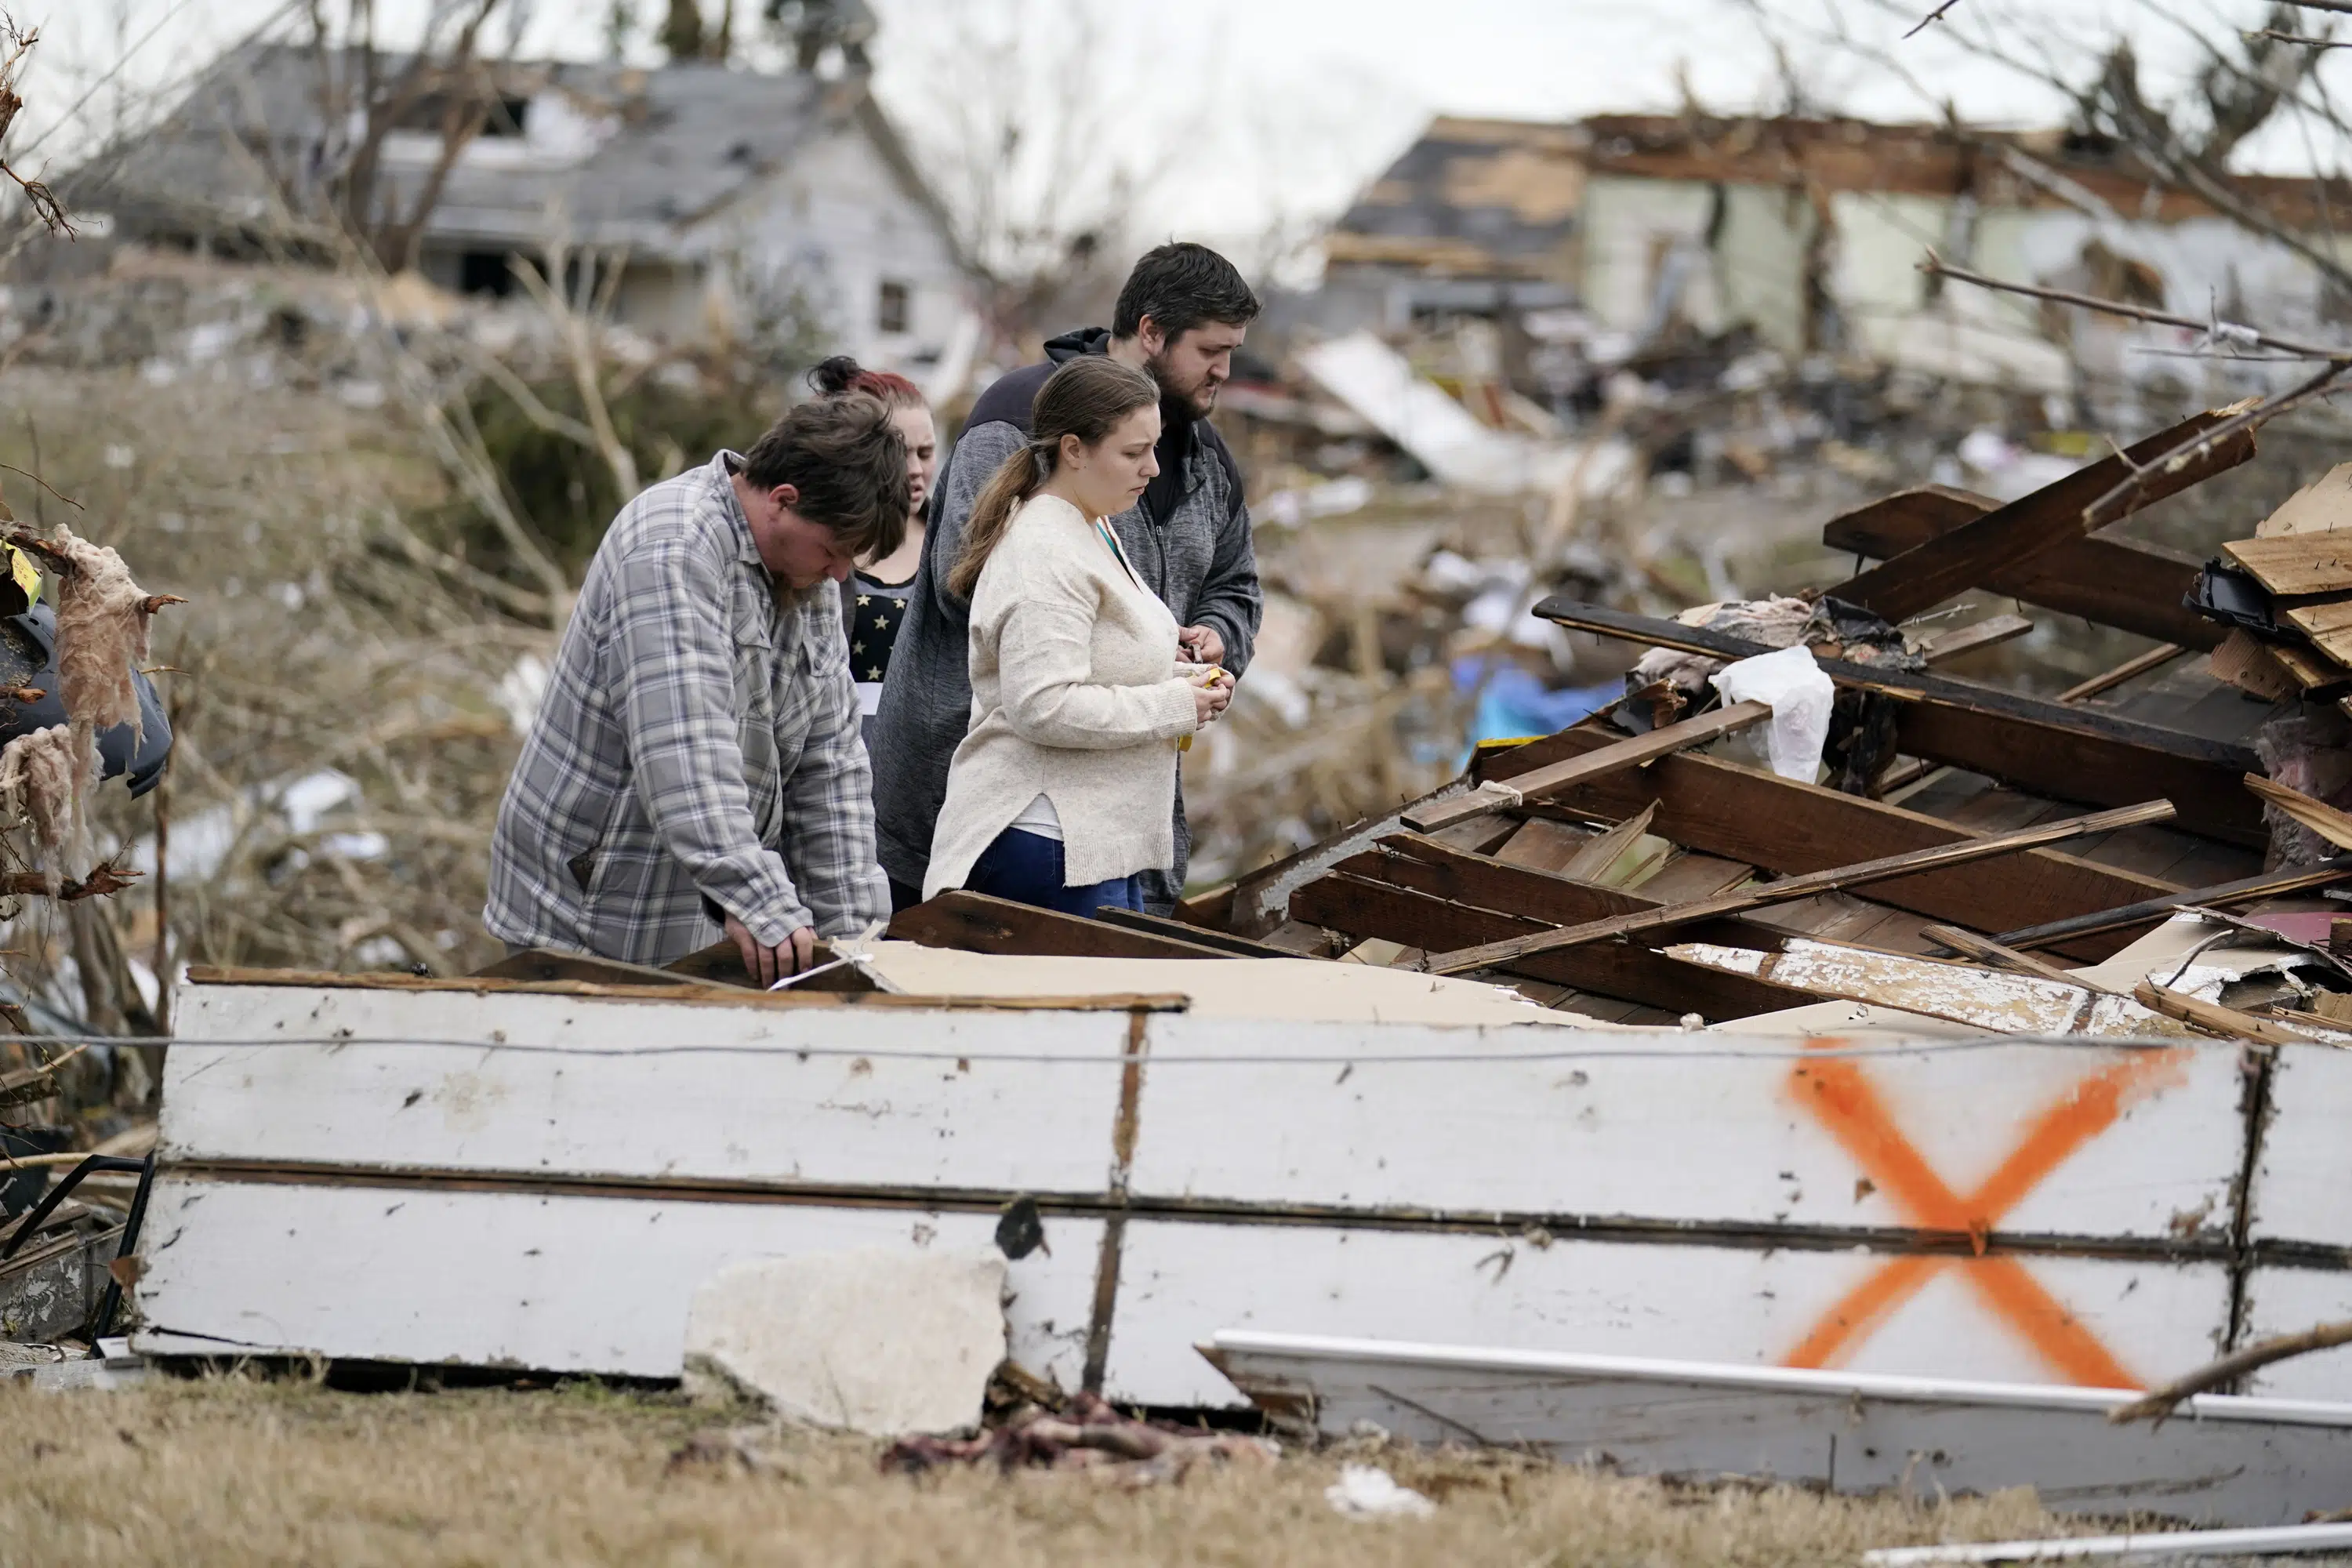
{"x": 1280, "y": 109}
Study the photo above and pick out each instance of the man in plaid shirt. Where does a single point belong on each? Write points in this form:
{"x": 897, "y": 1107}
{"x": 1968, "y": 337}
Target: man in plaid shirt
{"x": 696, "y": 763}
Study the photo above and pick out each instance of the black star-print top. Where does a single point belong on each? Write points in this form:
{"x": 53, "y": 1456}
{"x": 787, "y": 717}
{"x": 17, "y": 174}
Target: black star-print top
{"x": 877, "y": 610}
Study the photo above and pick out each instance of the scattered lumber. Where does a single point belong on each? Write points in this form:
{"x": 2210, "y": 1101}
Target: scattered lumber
{"x": 2010, "y": 536}
{"x": 2328, "y": 625}
{"x": 2067, "y": 752}
{"x": 1985, "y": 950}
{"x": 2118, "y": 582}
{"x": 1790, "y": 889}
{"x": 2212, "y": 1015}
{"x": 1495, "y": 794}
{"x": 1364, "y": 907}
{"x": 1756, "y": 817}
{"x": 975, "y": 922}
{"x": 2221, "y": 895}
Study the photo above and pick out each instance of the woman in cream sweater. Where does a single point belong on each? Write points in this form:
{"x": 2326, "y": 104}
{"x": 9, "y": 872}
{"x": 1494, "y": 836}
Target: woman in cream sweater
{"x": 1064, "y": 786}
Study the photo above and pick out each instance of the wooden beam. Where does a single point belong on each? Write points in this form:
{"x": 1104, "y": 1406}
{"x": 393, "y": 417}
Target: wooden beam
{"x": 1631, "y": 752}
{"x": 1363, "y": 907}
{"x": 2221, "y": 895}
{"x": 2213, "y": 1015}
{"x": 1976, "y": 635}
{"x": 2012, "y": 536}
{"x": 1790, "y": 889}
{"x": 2118, "y": 582}
{"x": 1984, "y": 950}
{"x": 1751, "y": 815}
{"x": 974, "y": 922}
{"x": 2069, "y": 754}
{"x": 2129, "y": 669}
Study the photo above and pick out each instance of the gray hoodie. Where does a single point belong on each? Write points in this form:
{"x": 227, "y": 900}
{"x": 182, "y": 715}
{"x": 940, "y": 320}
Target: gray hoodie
{"x": 1190, "y": 538}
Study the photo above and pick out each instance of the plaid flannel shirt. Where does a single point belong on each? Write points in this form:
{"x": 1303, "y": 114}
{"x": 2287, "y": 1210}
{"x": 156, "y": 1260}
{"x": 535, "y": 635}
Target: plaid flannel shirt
{"x": 698, "y": 740}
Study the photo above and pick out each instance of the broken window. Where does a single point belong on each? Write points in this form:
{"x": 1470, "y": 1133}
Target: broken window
{"x": 893, "y": 307}
{"x": 485, "y": 272}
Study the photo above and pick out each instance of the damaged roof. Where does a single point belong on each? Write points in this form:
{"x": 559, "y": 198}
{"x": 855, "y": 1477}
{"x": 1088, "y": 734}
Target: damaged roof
{"x": 625, "y": 155}
{"x": 1500, "y": 198}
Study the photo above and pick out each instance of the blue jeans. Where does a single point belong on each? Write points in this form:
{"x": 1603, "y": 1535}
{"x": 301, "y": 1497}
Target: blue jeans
{"x": 1027, "y": 869}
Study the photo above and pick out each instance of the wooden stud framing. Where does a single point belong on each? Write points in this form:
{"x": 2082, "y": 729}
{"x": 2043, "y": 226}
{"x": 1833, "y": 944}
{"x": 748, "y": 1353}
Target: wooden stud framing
{"x": 2119, "y": 583}
{"x": 2014, "y": 535}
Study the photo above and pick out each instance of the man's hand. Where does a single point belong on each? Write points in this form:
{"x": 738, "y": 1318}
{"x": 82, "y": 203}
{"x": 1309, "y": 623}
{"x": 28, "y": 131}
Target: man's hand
{"x": 1202, "y": 645}
{"x": 769, "y": 964}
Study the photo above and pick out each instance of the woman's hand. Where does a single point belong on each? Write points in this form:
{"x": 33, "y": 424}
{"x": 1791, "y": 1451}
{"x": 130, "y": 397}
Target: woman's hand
{"x": 1211, "y": 690}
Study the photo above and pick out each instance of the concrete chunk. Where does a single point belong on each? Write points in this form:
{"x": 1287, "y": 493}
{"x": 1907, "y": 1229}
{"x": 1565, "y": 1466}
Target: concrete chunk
{"x": 875, "y": 1340}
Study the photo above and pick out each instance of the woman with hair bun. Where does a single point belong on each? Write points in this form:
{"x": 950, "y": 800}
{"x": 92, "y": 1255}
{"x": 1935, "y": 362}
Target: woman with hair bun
{"x": 874, "y": 599}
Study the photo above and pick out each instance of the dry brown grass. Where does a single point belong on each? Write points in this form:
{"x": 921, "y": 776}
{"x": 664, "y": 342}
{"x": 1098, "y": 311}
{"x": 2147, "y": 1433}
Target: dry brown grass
{"x": 235, "y": 1471}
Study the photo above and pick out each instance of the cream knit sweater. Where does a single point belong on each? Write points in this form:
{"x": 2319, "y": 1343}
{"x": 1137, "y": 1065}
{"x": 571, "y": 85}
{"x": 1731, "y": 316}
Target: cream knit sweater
{"x": 1074, "y": 696}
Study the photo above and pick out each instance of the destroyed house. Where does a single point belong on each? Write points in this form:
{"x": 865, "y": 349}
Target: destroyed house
{"x": 727, "y": 197}
{"x": 1810, "y": 233}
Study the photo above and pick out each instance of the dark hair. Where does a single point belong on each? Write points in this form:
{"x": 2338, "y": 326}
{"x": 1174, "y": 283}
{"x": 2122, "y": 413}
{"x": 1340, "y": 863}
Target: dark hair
{"x": 1179, "y": 286}
{"x": 842, "y": 374}
{"x": 849, "y": 464}
{"x": 1087, "y": 398}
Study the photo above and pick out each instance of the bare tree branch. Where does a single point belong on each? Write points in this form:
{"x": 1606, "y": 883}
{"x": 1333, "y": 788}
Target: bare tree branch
{"x": 2160, "y": 1402}
{"x": 2227, "y": 332}
{"x": 1934, "y": 16}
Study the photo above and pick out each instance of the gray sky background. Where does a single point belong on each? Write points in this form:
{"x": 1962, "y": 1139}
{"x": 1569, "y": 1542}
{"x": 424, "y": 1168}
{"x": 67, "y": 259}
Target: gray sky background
{"x": 1271, "y": 110}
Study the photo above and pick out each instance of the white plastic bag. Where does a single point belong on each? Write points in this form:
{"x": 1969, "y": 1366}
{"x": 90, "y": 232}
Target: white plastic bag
{"x": 1367, "y": 1491}
{"x": 1800, "y": 697}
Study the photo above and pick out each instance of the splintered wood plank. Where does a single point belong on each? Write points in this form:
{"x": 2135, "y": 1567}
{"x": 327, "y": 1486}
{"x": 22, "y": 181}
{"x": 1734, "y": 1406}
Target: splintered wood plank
{"x": 2119, "y": 583}
{"x": 975, "y": 922}
{"x": 1359, "y": 905}
{"x": 2293, "y": 563}
{"x": 1789, "y": 889}
{"x": 1631, "y": 752}
{"x": 2090, "y": 756}
{"x": 1757, "y": 818}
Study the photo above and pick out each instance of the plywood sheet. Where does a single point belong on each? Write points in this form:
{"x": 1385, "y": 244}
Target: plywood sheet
{"x": 2292, "y": 564}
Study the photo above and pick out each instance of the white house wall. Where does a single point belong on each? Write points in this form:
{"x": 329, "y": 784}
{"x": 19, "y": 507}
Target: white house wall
{"x": 1626, "y": 224}
{"x": 837, "y": 223}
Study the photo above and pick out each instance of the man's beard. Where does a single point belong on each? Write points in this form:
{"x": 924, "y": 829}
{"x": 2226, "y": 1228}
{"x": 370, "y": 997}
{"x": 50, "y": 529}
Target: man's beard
{"x": 1197, "y": 403}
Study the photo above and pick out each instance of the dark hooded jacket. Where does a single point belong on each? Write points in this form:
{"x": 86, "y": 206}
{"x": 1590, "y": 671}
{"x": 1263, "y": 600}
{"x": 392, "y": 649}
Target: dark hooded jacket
{"x": 1189, "y": 536}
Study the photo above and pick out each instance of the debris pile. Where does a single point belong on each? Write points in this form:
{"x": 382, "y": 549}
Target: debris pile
{"x": 1084, "y": 1432}
{"x": 1742, "y": 831}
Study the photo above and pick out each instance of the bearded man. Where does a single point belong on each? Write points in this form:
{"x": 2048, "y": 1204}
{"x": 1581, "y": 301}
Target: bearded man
{"x": 1181, "y": 313}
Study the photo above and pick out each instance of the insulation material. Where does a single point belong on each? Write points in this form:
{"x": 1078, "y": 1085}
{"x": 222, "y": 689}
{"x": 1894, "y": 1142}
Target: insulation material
{"x": 2311, "y": 753}
{"x": 41, "y": 779}
{"x": 101, "y": 637}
